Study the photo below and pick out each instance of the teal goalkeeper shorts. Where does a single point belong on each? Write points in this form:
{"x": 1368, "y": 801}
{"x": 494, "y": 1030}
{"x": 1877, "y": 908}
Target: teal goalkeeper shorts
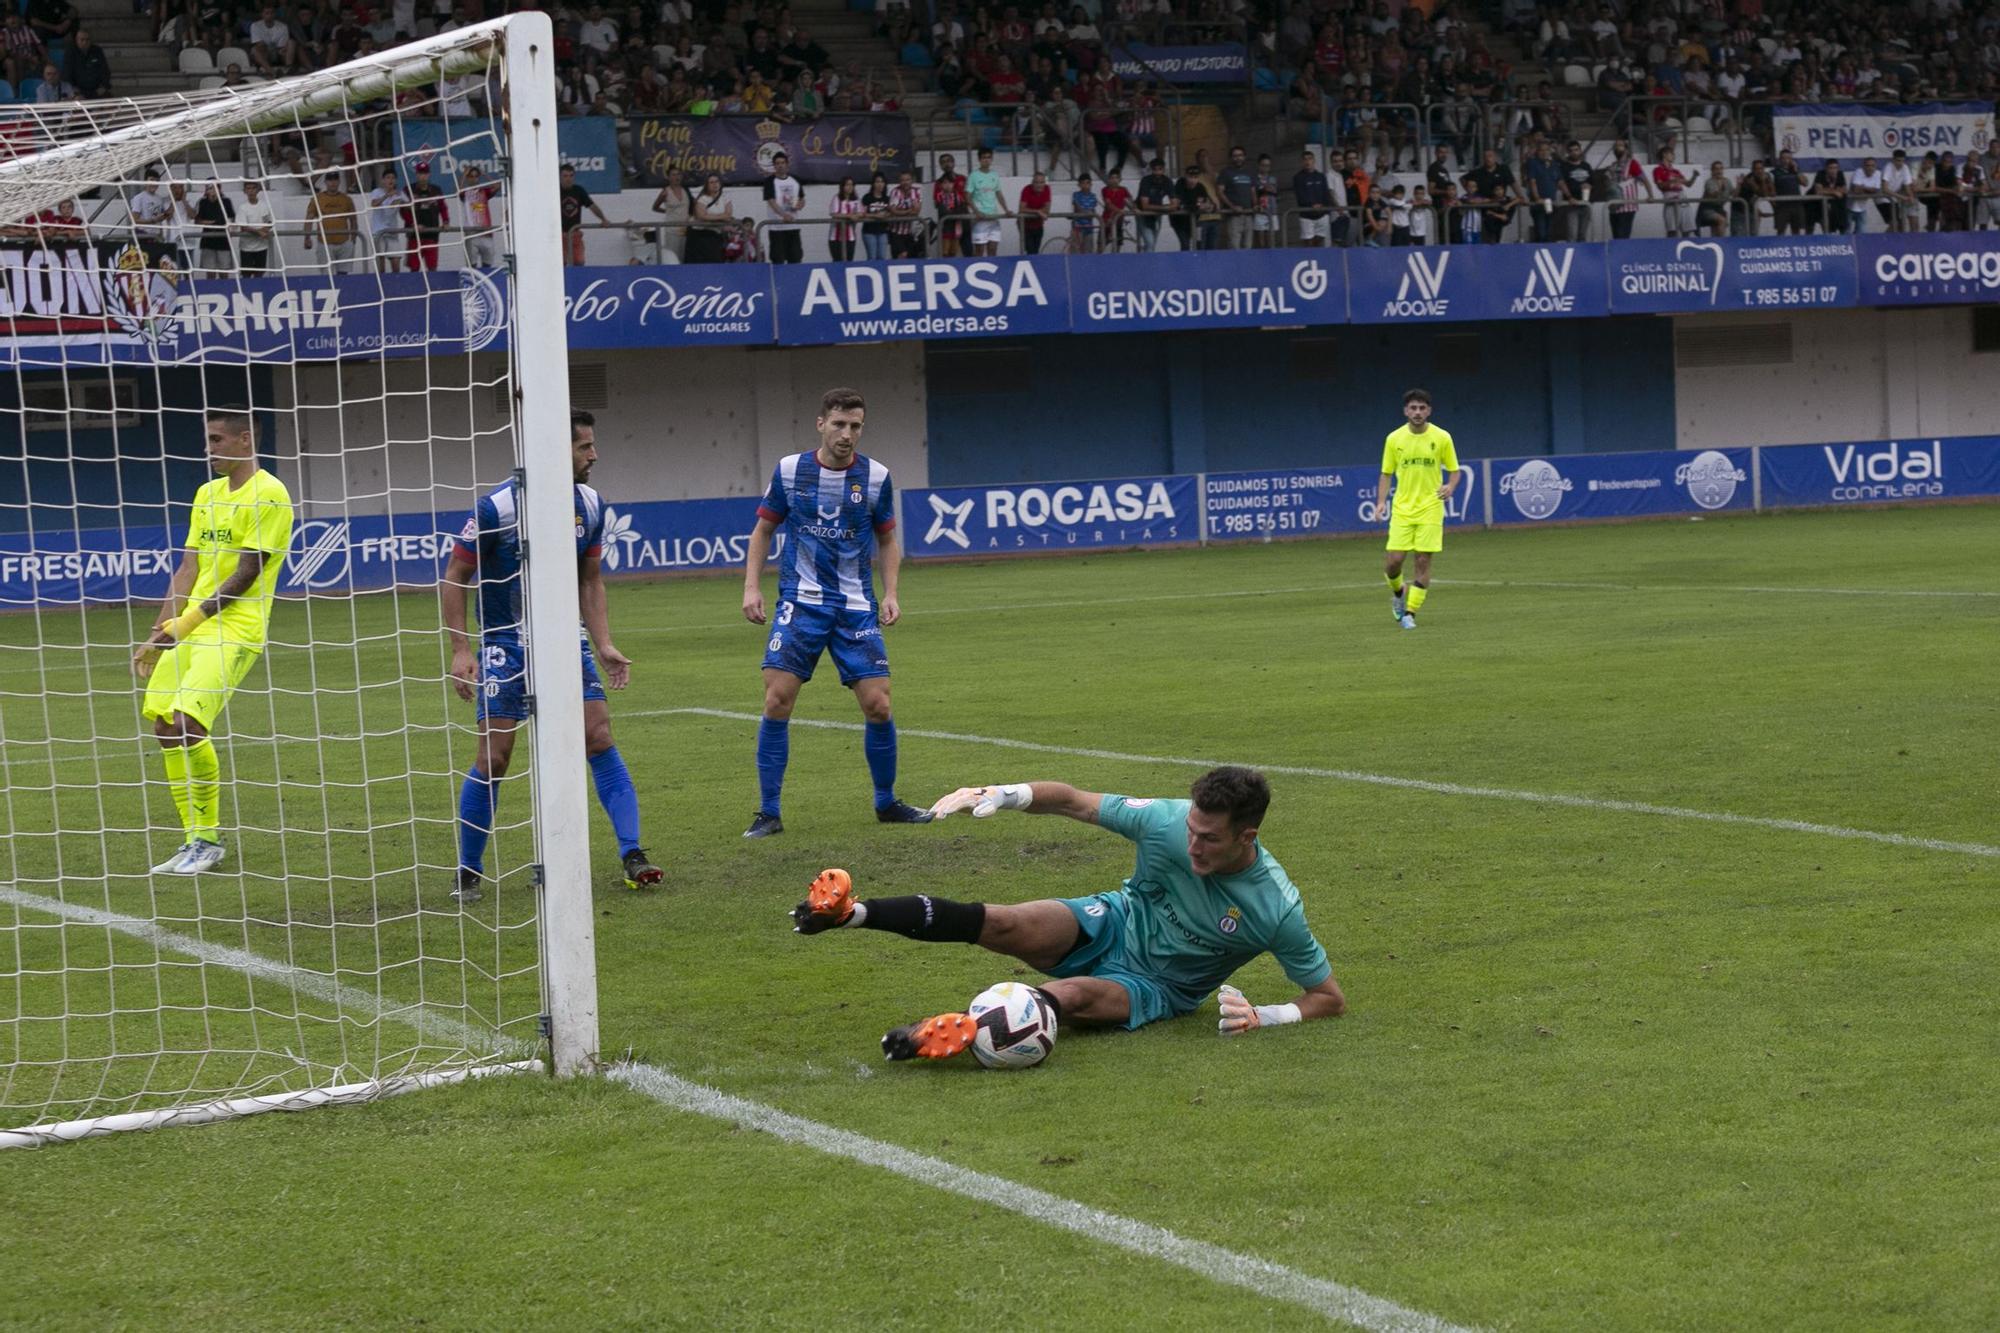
{"x": 1101, "y": 953}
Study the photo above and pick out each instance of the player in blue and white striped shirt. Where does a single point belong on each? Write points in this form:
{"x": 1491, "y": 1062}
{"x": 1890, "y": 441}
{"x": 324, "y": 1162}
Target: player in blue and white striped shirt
{"x": 838, "y": 509}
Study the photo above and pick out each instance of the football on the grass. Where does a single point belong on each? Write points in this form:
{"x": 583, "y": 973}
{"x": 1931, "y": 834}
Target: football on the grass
{"x": 1015, "y": 1028}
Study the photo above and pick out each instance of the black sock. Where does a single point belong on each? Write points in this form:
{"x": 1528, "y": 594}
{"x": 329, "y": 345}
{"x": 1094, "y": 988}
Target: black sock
{"x": 1055, "y": 1005}
{"x": 922, "y": 917}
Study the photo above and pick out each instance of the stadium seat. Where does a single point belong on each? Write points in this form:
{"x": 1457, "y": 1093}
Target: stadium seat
{"x": 1576, "y": 76}
{"x": 232, "y": 55}
{"x": 1699, "y": 125}
{"x": 209, "y": 81}
{"x": 6, "y": 91}
{"x": 26, "y": 92}
{"x": 917, "y": 56}
{"x": 1266, "y": 80}
{"x": 194, "y": 60}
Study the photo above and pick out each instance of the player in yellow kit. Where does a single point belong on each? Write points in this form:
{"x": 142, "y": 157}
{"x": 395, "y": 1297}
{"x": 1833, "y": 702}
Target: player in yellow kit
{"x": 212, "y": 626}
{"x": 1415, "y": 457}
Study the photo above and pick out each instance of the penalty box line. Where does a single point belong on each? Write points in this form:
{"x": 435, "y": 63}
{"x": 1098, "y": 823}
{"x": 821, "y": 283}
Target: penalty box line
{"x": 1605, "y": 803}
{"x": 1261, "y": 1277}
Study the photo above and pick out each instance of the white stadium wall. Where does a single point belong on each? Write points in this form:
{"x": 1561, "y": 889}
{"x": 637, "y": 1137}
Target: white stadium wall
{"x": 1824, "y": 377}
{"x": 671, "y": 425}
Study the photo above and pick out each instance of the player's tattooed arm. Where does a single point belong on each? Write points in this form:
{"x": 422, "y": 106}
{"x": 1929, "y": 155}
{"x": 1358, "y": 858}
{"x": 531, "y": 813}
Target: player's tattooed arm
{"x": 458, "y": 576}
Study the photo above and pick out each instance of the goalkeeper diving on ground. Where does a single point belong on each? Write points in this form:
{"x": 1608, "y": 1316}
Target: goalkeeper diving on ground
{"x": 1204, "y": 898}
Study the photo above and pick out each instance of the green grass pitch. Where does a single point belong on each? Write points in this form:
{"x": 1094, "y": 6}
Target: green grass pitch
{"x": 1601, "y": 1070}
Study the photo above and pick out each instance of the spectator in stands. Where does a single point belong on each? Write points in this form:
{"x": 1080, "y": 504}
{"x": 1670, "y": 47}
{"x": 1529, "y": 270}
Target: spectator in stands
{"x": 1951, "y": 212}
{"x": 1083, "y": 205}
{"x": 21, "y": 51}
{"x": 1988, "y": 212}
{"x": 87, "y": 67}
{"x": 253, "y": 229}
{"x": 385, "y": 223}
{"x": 182, "y": 226}
{"x": 875, "y": 209}
{"x": 906, "y": 209}
{"x": 482, "y": 232}
{"x": 1573, "y": 217}
{"x": 784, "y": 201}
{"x": 428, "y": 213}
{"x": 52, "y": 20}
{"x": 948, "y": 196}
{"x": 213, "y": 214}
{"x": 1788, "y": 209}
{"x": 331, "y": 224}
{"x": 1312, "y": 197}
{"x": 1717, "y": 191}
{"x": 1189, "y": 200}
{"x": 711, "y": 219}
{"x": 1117, "y": 205}
{"x": 1491, "y": 187}
{"x": 271, "y": 45}
{"x": 1154, "y": 200}
{"x": 673, "y": 202}
{"x": 1543, "y": 184}
{"x": 1828, "y": 208}
{"x": 598, "y": 35}
{"x": 1629, "y": 180}
{"x": 1864, "y": 187}
{"x": 987, "y": 202}
{"x": 149, "y": 209}
{"x": 1899, "y": 193}
{"x": 1238, "y": 184}
{"x": 1265, "y": 227}
{"x": 1438, "y": 173}
{"x": 1356, "y": 184}
{"x": 1423, "y": 221}
{"x": 1754, "y": 190}
{"x": 575, "y": 199}
{"x": 55, "y": 88}
{"x": 1672, "y": 183}
{"x": 843, "y": 237}
{"x": 1975, "y": 187}
{"x": 1036, "y": 201}
{"x": 1100, "y": 121}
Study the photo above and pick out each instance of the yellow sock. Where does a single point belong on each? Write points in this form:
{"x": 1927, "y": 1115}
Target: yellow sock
{"x": 204, "y": 790}
{"x": 177, "y": 783}
{"x": 1416, "y": 597}
{"x": 1395, "y": 582}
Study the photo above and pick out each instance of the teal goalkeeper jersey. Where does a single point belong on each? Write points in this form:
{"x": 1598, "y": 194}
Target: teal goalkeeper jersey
{"x": 1192, "y": 931}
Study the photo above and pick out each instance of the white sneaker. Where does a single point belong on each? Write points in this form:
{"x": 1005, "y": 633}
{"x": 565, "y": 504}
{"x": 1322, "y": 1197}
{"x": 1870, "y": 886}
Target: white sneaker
{"x": 172, "y": 865}
{"x": 201, "y": 856}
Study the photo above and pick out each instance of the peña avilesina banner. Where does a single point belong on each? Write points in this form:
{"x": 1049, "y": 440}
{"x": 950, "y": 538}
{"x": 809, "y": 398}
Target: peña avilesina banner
{"x": 741, "y": 149}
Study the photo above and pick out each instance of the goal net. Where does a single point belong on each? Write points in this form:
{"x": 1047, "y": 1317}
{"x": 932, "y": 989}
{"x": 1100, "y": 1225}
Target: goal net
{"x": 353, "y": 265}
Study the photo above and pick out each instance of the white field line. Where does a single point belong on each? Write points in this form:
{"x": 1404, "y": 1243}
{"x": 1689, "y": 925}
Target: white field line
{"x": 1385, "y": 780}
{"x": 1219, "y": 594}
{"x": 1259, "y": 1276}
{"x": 344, "y": 997}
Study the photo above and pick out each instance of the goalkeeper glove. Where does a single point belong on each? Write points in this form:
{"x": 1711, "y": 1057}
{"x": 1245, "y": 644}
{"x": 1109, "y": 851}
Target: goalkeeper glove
{"x": 983, "y": 801}
{"x": 1240, "y": 1016}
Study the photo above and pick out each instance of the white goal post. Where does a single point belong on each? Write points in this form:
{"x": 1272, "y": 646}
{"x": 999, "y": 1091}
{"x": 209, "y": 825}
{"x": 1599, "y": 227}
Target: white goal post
{"x": 325, "y": 960}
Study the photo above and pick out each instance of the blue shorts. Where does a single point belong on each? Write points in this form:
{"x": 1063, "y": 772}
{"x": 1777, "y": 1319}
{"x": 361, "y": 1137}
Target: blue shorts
{"x": 800, "y": 633}
{"x": 1101, "y": 954}
{"x": 503, "y": 679}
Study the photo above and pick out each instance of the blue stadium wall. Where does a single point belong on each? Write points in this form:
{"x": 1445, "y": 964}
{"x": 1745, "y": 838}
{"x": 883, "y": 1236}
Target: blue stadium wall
{"x": 1143, "y": 404}
{"x": 97, "y": 474}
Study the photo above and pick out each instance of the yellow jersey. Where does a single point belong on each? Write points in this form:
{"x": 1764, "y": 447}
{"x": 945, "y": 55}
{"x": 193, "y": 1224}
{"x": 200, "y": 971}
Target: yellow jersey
{"x": 256, "y": 516}
{"x": 1418, "y": 463}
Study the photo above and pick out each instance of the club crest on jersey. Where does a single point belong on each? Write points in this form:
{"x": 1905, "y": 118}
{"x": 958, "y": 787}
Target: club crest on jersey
{"x": 1227, "y": 925}
{"x": 854, "y": 493}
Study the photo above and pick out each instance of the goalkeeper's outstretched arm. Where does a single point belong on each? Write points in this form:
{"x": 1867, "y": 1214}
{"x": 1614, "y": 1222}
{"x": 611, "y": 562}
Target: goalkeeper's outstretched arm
{"x": 1240, "y": 1016}
{"x": 1036, "y": 798}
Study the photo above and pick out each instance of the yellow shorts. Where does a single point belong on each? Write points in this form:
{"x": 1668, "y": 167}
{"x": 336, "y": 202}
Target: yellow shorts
{"x": 196, "y": 678}
{"x": 1425, "y": 535}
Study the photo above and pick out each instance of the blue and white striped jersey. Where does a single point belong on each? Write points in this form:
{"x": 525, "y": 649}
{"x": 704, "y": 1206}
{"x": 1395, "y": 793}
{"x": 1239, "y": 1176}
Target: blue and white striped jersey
{"x": 831, "y": 520}
{"x": 491, "y": 540}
